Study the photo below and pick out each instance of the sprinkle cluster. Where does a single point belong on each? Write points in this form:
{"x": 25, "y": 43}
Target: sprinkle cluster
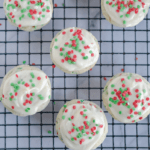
{"x": 74, "y": 45}
{"x": 27, "y": 12}
{"x": 29, "y": 97}
{"x": 122, "y": 96}
{"x": 131, "y": 6}
{"x": 87, "y": 130}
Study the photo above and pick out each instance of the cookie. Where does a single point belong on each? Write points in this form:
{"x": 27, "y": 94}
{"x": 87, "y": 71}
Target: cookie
{"x": 81, "y": 125}
{"x": 74, "y": 50}
{"x": 126, "y": 96}
{"x": 28, "y": 15}
{"x": 125, "y": 13}
{"x": 25, "y": 90}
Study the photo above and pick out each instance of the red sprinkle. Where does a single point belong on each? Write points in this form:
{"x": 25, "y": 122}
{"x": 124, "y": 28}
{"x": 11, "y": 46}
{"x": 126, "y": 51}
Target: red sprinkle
{"x": 27, "y": 95}
{"x": 26, "y": 84}
{"x": 71, "y": 30}
{"x": 38, "y": 78}
{"x": 63, "y": 32}
{"x": 66, "y": 110}
{"x": 74, "y": 107}
{"x": 53, "y": 66}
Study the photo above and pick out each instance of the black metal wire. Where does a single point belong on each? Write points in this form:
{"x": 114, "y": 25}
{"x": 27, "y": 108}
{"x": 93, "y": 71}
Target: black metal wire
{"x": 77, "y": 89}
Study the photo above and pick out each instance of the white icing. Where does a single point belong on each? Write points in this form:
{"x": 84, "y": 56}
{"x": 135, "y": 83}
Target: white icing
{"x": 94, "y": 113}
{"x": 35, "y": 15}
{"x": 42, "y": 87}
{"x": 144, "y": 89}
{"x": 133, "y": 19}
{"x": 80, "y": 63}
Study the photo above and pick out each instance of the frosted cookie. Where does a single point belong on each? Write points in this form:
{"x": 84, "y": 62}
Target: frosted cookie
{"x": 28, "y": 15}
{"x": 126, "y": 96}
{"x": 125, "y": 13}
{"x": 74, "y": 50}
{"x": 25, "y": 90}
{"x": 81, "y": 125}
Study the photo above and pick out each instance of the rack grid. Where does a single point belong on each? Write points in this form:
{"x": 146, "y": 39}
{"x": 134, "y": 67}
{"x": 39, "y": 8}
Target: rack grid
{"x": 121, "y": 50}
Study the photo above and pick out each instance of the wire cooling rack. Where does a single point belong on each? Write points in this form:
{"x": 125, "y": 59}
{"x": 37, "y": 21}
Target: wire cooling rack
{"x": 121, "y": 50}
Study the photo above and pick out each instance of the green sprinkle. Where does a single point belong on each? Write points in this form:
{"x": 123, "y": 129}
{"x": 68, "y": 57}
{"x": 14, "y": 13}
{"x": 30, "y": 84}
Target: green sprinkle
{"x": 133, "y": 109}
{"x": 31, "y": 99}
{"x": 88, "y": 123}
{"x": 124, "y": 22}
{"x": 131, "y": 116}
{"x": 41, "y": 97}
{"x": 63, "y": 117}
{"x": 49, "y": 97}
{"x": 69, "y": 119}
{"x": 43, "y": 9}
{"x": 94, "y": 121}
{"x": 56, "y": 47}
{"x": 28, "y": 7}
{"x": 72, "y": 139}
{"x": 32, "y": 74}
{"x": 127, "y": 15}
{"x": 30, "y": 80}
{"x": 26, "y": 110}
{"x": 129, "y": 77}
{"x": 120, "y": 112}
{"x": 144, "y": 11}
{"x": 83, "y": 42}
{"x": 85, "y": 110}
{"x": 49, "y": 132}
{"x": 138, "y": 6}
{"x": 139, "y": 113}
{"x": 107, "y": 2}
{"x": 112, "y": 85}
{"x": 24, "y": 62}
{"x": 61, "y": 54}
{"x": 83, "y": 130}
{"x": 33, "y": 85}
{"x": 144, "y": 91}
{"x": 97, "y": 132}
{"x": 123, "y": 82}
{"x": 121, "y": 16}
{"x": 128, "y": 106}
{"x": 112, "y": 92}
{"x": 77, "y": 129}
{"x": 110, "y": 105}
{"x": 33, "y": 94}
{"x": 69, "y": 61}
{"x": 23, "y": 82}
{"x": 56, "y": 40}
{"x": 65, "y": 106}
{"x": 48, "y": 7}
{"x": 39, "y": 19}
{"x": 90, "y": 137}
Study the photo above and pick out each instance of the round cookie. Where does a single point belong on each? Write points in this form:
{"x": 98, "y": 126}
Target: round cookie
{"x": 74, "y": 50}
{"x": 126, "y": 96}
{"x": 28, "y": 15}
{"x": 25, "y": 90}
{"x": 81, "y": 125}
{"x": 125, "y": 13}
